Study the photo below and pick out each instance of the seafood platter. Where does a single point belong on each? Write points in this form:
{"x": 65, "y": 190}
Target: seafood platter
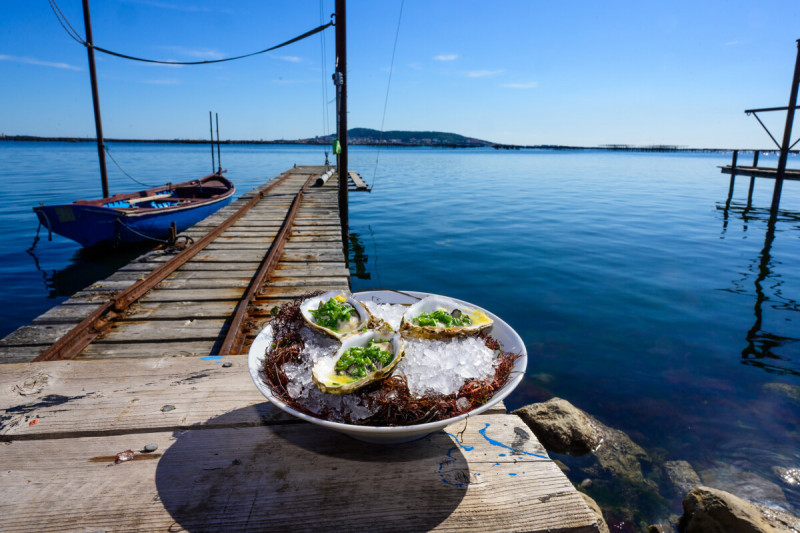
{"x": 385, "y": 366}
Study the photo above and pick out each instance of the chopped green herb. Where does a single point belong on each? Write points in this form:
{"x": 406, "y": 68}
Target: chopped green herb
{"x": 441, "y": 317}
{"x": 359, "y": 361}
{"x": 329, "y": 314}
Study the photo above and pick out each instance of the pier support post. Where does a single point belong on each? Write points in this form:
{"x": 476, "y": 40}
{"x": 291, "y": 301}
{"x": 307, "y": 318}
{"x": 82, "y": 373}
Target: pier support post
{"x": 787, "y": 139}
{"x": 752, "y": 181}
{"x": 733, "y": 178}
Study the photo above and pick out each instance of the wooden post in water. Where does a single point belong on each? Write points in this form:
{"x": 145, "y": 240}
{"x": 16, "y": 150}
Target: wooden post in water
{"x": 211, "y": 128}
{"x": 752, "y": 180}
{"x": 787, "y": 139}
{"x": 341, "y": 79}
{"x": 733, "y": 177}
{"x": 98, "y": 124}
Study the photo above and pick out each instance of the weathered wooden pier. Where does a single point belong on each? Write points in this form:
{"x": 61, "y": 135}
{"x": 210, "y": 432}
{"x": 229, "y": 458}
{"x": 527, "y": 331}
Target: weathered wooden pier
{"x": 154, "y": 355}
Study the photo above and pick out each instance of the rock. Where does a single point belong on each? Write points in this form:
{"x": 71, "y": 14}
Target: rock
{"x": 682, "y": 476}
{"x": 602, "y": 527}
{"x": 227, "y": 365}
{"x": 561, "y": 427}
{"x": 562, "y": 466}
{"x": 707, "y": 510}
{"x": 151, "y": 447}
{"x": 586, "y": 483}
{"x": 618, "y": 456}
{"x": 780, "y": 520}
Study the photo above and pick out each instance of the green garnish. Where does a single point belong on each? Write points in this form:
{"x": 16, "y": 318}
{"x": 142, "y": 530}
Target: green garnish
{"x": 329, "y": 314}
{"x": 440, "y": 317}
{"x": 359, "y": 361}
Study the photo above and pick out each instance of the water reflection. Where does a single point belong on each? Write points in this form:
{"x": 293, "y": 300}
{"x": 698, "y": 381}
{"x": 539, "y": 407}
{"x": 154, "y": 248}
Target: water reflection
{"x": 357, "y": 257}
{"x": 762, "y": 345}
{"x": 86, "y": 266}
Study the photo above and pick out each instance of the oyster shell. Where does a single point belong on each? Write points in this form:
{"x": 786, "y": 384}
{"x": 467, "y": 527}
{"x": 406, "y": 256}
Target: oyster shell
{"x": 464, "y": 320}
{"x": 318, "y": 311}
{"x": 335, "y": 375}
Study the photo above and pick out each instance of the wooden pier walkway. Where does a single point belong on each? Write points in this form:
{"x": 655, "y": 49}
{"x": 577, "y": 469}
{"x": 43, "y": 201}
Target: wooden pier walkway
{"x": 761, "y": 172}
{"x": 227, "y": 460}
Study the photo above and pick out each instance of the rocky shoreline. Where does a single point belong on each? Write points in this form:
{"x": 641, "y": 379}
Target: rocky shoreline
{"x": 627, "y": 486}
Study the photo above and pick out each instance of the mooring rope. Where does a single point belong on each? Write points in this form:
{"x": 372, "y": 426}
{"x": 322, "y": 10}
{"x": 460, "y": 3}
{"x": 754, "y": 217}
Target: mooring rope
{"x": 76, "y": 36}
{"x": 121, "y": 169}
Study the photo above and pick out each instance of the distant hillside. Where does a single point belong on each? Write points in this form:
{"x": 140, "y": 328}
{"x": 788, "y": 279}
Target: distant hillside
{"x": 402, "y": 138}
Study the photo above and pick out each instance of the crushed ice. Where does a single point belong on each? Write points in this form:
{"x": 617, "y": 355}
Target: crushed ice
{"x": 392, "y": 314}
{"x": 430, "y": 367}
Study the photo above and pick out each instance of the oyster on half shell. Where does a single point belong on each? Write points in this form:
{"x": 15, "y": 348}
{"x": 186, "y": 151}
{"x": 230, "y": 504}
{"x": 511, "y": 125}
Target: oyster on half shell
{"x": 362, "y": 359}
{"x": 437, "y": 317}
{"x": 336, "y": 313}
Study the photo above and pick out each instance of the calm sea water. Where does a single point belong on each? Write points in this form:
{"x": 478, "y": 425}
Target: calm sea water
{"x": 640, "y": 297}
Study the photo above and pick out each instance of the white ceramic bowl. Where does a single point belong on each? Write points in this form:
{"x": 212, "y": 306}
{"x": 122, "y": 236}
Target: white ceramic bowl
{"x": 508, "y": 338}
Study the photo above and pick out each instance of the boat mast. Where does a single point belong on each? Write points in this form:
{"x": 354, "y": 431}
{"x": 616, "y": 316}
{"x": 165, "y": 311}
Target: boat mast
{"x": 340, "y": 79}
{"x": 98, "y": 124}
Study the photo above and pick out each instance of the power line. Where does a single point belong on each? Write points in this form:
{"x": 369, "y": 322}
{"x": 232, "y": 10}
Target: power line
{"x": 62, "y": 19}
{"x": 386, "y": 100}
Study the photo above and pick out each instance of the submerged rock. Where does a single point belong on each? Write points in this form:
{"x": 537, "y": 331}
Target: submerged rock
{"x": 602, "y": 527}
{"x": 708, "y": 510}
{"x": 681, "y": 476}
{"x": 618, "y": 456}
{"x": 561, "y": 427}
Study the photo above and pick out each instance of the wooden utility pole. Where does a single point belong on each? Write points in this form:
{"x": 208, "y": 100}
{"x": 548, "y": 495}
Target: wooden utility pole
{"x": 787, "y": 139}
{"x": 340, "y": 79}
{"x": 98, "y": 124}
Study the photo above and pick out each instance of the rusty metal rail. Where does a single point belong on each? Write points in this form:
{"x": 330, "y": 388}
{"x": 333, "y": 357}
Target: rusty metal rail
{"x": 79, "y": 337}
{"x": 234, "y": 339}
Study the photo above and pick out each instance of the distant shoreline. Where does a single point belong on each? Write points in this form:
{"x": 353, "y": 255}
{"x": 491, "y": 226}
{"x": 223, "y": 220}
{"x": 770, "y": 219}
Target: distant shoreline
{"x": 304, "y": 142}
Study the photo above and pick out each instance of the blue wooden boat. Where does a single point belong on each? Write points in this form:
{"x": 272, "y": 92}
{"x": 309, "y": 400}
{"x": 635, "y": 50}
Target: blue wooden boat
{"x": 140, "y": 216}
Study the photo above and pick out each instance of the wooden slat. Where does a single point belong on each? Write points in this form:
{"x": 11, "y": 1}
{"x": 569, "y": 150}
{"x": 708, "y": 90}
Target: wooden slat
{"x": 289, "y": 477}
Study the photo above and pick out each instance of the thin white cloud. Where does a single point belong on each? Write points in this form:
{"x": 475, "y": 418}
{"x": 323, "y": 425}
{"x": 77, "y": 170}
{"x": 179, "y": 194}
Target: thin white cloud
{"x": 446, "y": 57}
{"x": 290, "y": 59}
{"x": 189, "y": 8}
{"x": 483, "y": 73}
{"x": 731, "y": 43}
{"x": 39, "y": 62}
{"x": 162, "y": 82}
{"x": 198, "y": 53}
{"x": 530, "y": 85}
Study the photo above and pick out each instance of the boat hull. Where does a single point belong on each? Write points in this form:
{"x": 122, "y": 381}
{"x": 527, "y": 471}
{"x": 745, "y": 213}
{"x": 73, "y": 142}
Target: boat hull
{"x": 90, "y": 224}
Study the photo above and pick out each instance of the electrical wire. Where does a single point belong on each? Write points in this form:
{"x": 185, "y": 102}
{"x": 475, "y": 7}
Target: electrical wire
{"x": 386, "y": 100}
{"x": 76, "y": 36}
{"x": 324, "y": 73}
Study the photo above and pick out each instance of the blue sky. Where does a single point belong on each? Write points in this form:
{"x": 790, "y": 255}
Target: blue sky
{"x": 515, "y": 71}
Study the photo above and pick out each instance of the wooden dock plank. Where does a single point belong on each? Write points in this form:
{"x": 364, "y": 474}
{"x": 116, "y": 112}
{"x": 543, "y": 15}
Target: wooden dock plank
{"x": 271, "y": 475}
{"x": 137, "y": 331}
{"x": 761, "y": 172}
